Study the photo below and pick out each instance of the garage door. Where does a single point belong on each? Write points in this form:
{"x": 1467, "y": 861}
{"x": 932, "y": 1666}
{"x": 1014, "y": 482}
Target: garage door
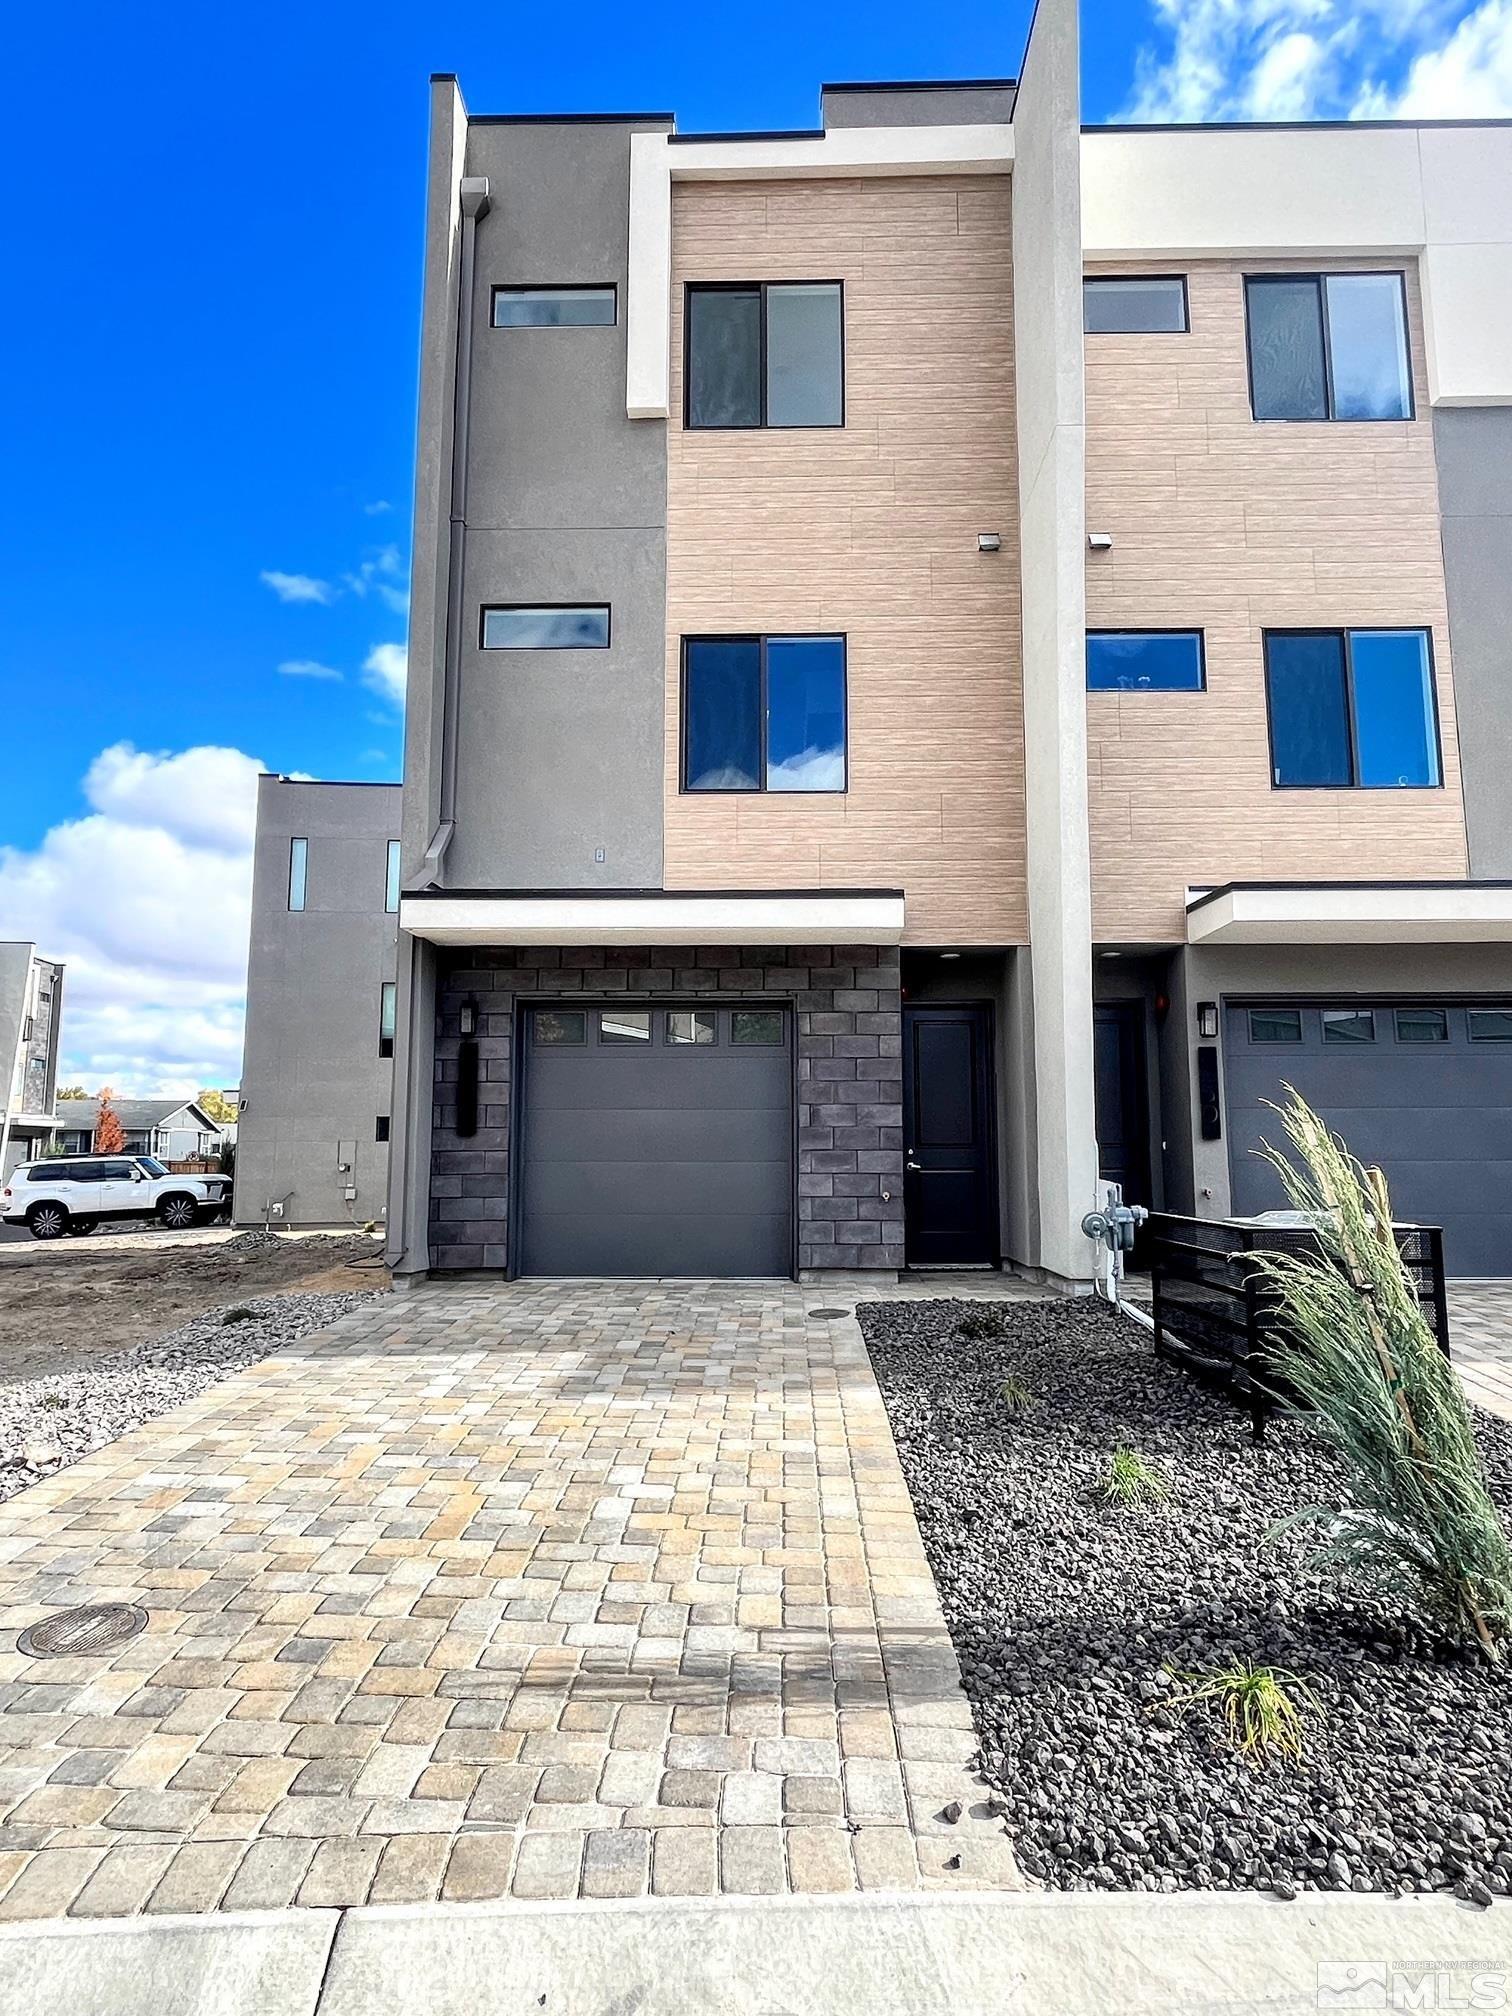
{"x": 1423, "y": 1089}
{"x": 657, "y": 1139}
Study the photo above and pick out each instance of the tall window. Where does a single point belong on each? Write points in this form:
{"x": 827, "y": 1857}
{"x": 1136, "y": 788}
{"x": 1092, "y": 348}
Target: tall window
{"x": 388, "y": 1001}
{"x": 764, "y": 714}
{"x": 765, "y": 355}
{"x": 391, "y": 880}
{"x": 299, "y": 862}
{"x": 1328, "y": 346}
{"x": 1351, "y": 708}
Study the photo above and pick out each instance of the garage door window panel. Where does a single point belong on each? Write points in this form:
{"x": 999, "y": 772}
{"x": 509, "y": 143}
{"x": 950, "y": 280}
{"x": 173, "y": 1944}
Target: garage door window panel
{"x": 624, "y": 1025}
{"x": 1491, "y": 1025}
{"x": 691, "y": 1028}
{"x": 1348, "y": 1025}
{"x": 551, "y": 1026}
{"x": 756, "y": 1025}
{"x": 1422, "y": 1025}
{"x": 1275, "y": 1025}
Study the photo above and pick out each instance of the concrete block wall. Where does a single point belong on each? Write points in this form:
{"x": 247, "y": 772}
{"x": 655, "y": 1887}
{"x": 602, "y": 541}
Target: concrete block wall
{"x": 848, "y": 1010}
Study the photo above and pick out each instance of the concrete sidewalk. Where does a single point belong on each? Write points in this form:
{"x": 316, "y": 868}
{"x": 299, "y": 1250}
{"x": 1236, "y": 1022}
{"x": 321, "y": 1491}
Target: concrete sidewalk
{"x": 970, "y": 1954}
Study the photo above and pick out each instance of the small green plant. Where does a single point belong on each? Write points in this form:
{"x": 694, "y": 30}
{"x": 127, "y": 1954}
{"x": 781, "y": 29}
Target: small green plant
{"x": 1015, "y": 1395}
{"x": 1261, "y": 1717}
{"x": 51, "y": 1400}
{"x": 1132, "y": 1481}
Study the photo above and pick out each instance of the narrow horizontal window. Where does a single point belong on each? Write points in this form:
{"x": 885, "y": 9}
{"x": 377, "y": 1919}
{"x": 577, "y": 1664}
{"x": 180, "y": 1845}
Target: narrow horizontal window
{"x": 519, "y": 627}
{"x": 1136, "y": 305}
{"x": 388, "y": 997}
{"x": 299, "y": 868}
{"x": 381, "y": 1127}
{"x": 553, "y": 307}
{"x": 558, "y": 1025}
{"x": 1348, "y": 1025}
{"x": 1352, "y": 708}
{"x": 1144, "y": 661}
{"x": 1328, "y": 346}
{"x": 1491, "y": 1025}
{"x": 764, "y": 714}
{"x": 391, "y": 878}
{"x": 690, "y": 1025}
{"x": 1422, "y": 1025}
{"x": 625, "y": 1025}
{"x": 765, "y": 355}
{"x": 756, "y": 1025}
{"x": 1275, "y": 1025}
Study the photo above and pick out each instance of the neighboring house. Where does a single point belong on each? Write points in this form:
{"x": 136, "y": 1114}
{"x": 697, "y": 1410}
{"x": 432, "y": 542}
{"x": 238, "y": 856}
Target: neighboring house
{"x": 174, "y": 1130}
{"x": 31, "y": 1021}
{"x": 881, "y": 753}
{"x": 312, "y": 1136}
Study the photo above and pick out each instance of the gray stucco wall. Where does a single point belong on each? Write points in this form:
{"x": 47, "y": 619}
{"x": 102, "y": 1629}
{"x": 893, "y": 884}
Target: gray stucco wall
{"x": 1473, "y": 446}
{"x": 313, "y": 1084}
{"x": 561, "y": 752}
{"x": 918, "y": 105}
{"x": 849, "y": 1089}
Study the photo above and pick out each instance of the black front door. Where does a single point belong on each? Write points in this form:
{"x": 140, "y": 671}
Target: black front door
{"x": 947, "y": 1133}
{"x": 1123, "y": 1134}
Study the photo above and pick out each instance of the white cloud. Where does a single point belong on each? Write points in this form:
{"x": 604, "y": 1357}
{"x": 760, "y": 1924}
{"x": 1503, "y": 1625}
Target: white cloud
{"x": 307, "y": 668}
{"x": 378, "y": 507}
{"x": 146, "y": 899}
{"x": 385, "y": 669}
{"x": 1315, "y": 59}
{"x": 382, "y": 574}
{"x": 298, "y": 587}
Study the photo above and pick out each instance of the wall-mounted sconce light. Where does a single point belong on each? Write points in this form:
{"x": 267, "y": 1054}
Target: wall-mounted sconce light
{"x": 467, "y": 1018}
{"x": 989, "y": 542}
{"x": 1207, "y": 1020}
{"x": 1100, "y": 542}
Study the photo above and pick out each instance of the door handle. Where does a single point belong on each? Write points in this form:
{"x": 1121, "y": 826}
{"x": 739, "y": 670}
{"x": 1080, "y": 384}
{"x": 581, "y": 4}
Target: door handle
{"x": 913, "y": 1165}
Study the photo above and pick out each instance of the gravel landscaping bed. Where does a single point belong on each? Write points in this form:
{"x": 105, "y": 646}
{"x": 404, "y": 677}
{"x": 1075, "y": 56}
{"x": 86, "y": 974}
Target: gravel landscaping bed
{"x": 1069, "y": 1616}
{"x": 46, "y": 1424}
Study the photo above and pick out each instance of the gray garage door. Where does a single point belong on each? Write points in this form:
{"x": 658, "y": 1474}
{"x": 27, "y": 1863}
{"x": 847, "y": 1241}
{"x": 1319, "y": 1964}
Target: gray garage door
{"x": 657, "y": 1139}
{"x": 1422, "y": 1088}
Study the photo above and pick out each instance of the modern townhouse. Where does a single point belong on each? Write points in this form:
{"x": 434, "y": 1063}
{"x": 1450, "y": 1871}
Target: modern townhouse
{"x": 31, "y": 1022}
{"x": 952, "y": 656}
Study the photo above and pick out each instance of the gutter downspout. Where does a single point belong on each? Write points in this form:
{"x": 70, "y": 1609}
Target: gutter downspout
{"x": 473, "y": 197}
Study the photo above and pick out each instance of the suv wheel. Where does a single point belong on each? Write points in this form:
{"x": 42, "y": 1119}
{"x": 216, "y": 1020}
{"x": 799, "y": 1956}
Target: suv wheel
{"x": 82, "y": 1227}
{"x": 47, "y": 1221}
{"x": 178, "y": 1213}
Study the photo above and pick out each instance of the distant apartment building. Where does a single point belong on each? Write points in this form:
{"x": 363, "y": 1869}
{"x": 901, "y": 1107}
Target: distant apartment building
{"x": 953, "y": 655}
{"x": 31, "y": 1019}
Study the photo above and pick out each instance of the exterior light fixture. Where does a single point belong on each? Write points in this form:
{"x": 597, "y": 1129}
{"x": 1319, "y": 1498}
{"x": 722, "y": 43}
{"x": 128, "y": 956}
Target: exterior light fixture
{"x": 1207, "y": 1020}
{"x": 467, "y": 1018}
{"x": 989, "y": 542}
{"x": 1100, "y": 542}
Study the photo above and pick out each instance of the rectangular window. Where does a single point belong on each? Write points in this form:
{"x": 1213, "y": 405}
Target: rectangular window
{"x": 559, "y": 1025}
{"x": 765, "y": 355}
{"x": 1144, "y": 661}
{"x": 1422, "y": 1025}
{"x": 1491, "y": 1025}
{"x": 1141, "y": 305}
{"x": 388, "y": 1001}
{"x": 380, "y": 1127}
{"x": 756, "y": 1025}
{"x": 1348, "y": 1025}
{"x": 391, "y": 878}
{"x": 1351, "y": 708}
{"x": 546, "y": 628}
{"x": 1328, "y": 346}
{"x": 690, "y": 1025}
{"x": 299, "y": 862}
{"x": 1275, "y": 1025}
{"x": 624, "y": 1025}
{"x": 553, "y": 307}
{"x": 764, "y": 714}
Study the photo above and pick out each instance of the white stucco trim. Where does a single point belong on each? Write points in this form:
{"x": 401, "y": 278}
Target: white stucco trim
{"x": 654, "y": 920}
{"x": 1419, "y": 913}
{"x": 656, "y": 162}
{"x": 1437, "y": 195}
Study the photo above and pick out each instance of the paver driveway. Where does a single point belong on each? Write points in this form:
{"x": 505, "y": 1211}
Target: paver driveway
{"x": 547, "y": 1590}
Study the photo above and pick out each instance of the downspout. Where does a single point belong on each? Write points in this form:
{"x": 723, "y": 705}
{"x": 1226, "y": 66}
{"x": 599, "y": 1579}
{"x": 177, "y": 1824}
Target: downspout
{"x": 473, "y": 197}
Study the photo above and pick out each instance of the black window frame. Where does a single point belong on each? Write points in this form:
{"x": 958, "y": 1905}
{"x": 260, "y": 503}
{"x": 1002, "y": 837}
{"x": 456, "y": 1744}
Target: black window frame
{"x": 1424, "y": 1008}
{"x": 1367, "y": 1014}
{"x": 609, "y": 287}
{"x": 1330, "y": 417}
{"x": 487, "y": 609}
{"x": 763, "y": 425}
{"x": 761, "y": 640}
{"x": 1257, "y": 1042}
{"x": 1348, "y": 635}
{"x": 1149, "y": 630}
{"x": 381, "y": 1127}
{"x": 671, "y": 1042}
{"x": 1145, "y": 279}
{"x": 1474, "y": 1008}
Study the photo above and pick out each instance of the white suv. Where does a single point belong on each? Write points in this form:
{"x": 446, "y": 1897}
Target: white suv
{"x": 74, "y": 1193}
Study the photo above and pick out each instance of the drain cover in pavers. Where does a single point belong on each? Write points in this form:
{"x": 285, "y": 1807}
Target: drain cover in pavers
{"x": 829, "y": 1312}
{"x": 73, "y": 1634}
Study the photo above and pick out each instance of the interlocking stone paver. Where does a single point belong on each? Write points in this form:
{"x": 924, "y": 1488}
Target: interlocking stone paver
{"x": 122, "y": 1883}
{"x": 539, "y": 1589}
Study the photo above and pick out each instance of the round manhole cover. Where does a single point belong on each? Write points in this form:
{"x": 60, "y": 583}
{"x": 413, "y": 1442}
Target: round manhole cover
{"x": 74, "y": 1634}
{"x": 829, "y": 1312}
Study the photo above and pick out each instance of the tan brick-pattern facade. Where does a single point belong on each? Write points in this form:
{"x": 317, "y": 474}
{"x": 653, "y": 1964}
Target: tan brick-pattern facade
{"x": 870, "y": 529}
{"x": 1233, "y": 527}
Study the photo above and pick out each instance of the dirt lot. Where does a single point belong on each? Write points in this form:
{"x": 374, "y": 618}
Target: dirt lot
{"x": 65, "y": 1304}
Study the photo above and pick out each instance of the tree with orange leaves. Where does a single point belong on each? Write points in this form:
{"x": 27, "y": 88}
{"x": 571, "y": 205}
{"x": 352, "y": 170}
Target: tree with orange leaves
{"x": 110, "y": 1137}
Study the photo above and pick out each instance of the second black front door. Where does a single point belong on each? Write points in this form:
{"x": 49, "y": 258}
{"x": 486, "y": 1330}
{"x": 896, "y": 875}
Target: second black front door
{"x": 947, "y": 1133}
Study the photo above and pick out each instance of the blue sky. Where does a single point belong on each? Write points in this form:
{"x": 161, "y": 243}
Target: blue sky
{"x": 213, "y": 248}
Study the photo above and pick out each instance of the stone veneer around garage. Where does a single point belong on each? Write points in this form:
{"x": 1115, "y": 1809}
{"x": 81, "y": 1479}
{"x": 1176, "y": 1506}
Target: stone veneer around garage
{"x": 849, "y": 1062}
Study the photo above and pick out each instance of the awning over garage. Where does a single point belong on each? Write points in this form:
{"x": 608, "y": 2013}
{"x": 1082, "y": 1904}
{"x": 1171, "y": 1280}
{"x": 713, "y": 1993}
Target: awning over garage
{"x": 1351, "y": 913}
{"x": 654, "y": 917}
